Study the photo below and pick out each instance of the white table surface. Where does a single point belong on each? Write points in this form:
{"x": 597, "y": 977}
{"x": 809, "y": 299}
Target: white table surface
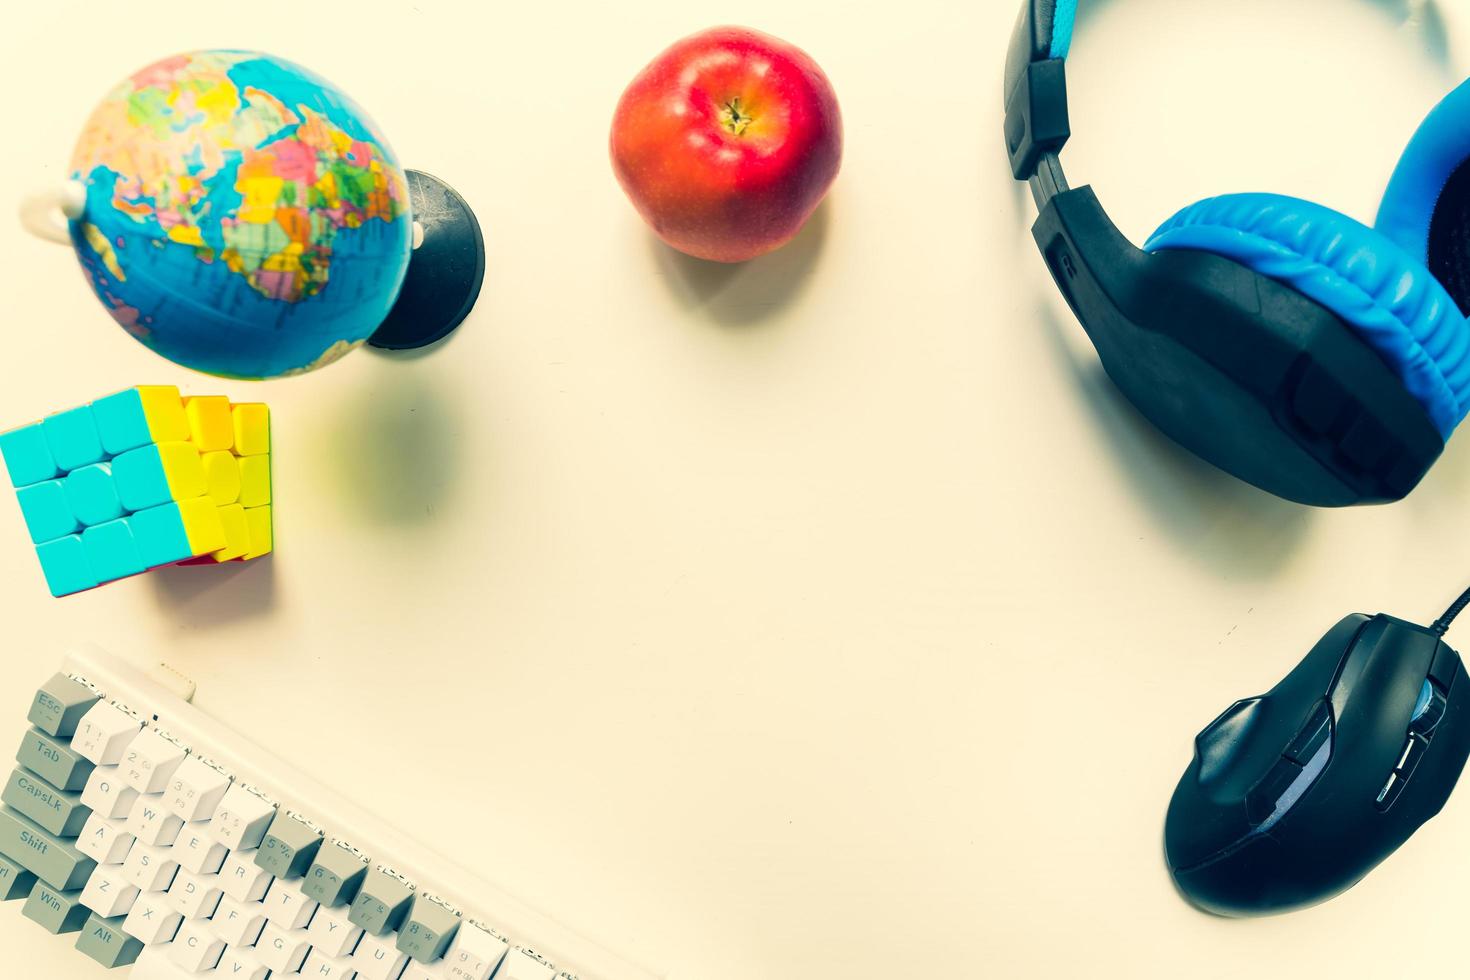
{"x": 826, "y": 617}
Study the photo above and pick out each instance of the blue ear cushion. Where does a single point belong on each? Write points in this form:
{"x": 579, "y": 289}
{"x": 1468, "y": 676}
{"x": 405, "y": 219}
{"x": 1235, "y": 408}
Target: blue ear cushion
{"x": 1417, "y": 190}
{"x": 1062, "y": 20}
{"x": 1395, "y": 304}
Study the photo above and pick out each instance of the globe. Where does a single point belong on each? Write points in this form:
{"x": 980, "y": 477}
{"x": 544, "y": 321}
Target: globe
{"x": 243, "y": 216}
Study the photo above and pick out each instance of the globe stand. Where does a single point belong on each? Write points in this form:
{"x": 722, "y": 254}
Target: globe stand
{"x": 444, "y": 273}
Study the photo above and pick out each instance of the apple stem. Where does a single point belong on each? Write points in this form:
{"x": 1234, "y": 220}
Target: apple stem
{"x": 733, "y": 119}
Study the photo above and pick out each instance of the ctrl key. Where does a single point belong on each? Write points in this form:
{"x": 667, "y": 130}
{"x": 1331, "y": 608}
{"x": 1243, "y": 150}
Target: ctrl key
{"x": 15, "y": 881}
{"x": 104, "y": 941}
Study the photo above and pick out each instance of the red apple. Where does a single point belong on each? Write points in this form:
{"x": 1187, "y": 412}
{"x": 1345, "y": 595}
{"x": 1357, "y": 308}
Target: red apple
{"x": 727, "y": 142}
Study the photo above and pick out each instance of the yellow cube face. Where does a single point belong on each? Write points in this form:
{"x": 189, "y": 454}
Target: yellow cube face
{"x": 252, "y": 425}
{"x": 218, "y": 470}
{"x": 164, "y": 411}
{"x": 255, "y": 481}
{"x": 211, "y": 423}
{"x": 182, "y": 468}
{"x": 237, "y": 533}
{"x": 202, "y": 525}
{"x": 222, "y": 477}
{"x": 258, "y": 523}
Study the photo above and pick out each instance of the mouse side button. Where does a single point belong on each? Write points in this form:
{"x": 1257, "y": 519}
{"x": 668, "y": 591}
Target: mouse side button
{"x": 1409, "y": 759}
{"x": 1261, "y": 802}
{"x": 1315, "y": 731}
{"x": 1390, "y": 791}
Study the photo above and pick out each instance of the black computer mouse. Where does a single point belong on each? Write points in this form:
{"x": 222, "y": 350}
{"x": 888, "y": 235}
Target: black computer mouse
{"x": 1295, "y": 795}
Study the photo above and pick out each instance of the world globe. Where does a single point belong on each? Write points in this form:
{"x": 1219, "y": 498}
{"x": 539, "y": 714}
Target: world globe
{"x": 243, "y": 217}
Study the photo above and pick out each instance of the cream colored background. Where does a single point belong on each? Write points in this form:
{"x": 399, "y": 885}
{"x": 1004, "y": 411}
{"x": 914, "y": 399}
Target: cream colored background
{"x": 828, "y": 617}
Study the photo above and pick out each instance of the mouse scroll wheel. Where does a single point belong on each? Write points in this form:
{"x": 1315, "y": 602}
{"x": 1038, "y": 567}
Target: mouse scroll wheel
{"x": 1428, "y": 710}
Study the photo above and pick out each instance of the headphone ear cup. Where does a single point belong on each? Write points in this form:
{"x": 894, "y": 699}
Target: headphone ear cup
{"x": 1426, "y": 208}
{"x": 1388, "y": 297}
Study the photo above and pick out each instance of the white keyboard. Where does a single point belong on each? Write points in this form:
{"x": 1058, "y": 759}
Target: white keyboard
{"x": 170, "y": 846}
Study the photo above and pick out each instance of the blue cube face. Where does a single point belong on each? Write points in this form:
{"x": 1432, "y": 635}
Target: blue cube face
{"x": 91, "y": 494}
{"x": 140, "y": 480}
{"x": 64, "y": 561}
{"x": 48, "y": 515}
{"x": 73, "y": 439}
{"x": 160, "y": 535}
{"x": 121, "y": 422}
{"x": 111, "y": 551}
{"x": 27, "y": 456}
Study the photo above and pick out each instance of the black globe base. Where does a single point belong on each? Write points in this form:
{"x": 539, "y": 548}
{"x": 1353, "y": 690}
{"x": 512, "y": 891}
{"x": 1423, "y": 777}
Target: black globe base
{"x": 444, "y": 273}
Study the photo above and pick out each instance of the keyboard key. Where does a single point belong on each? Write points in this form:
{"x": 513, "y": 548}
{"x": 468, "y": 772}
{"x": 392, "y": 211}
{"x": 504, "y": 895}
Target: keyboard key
{"x": 105, "y": 841}
{"x": 320, "y": 966}
{"x": 242, "y": 879}
{"x": 154, "y": 825}
{"x": 59, "y": 813}
{"x": 288, "y": 847}
{"x": 238, "y": 923}
{"x": 107, "y": 794}
{"x": 429, "y": 930}
{"x": 59, "y": 705}
{"x": 150, "y": 760}
{"x": 195, "y": 948}
{"x": 196, "y": 789}
{"x": 104, "y": 734}
{"x": 331, "y": 933}
{"x": 194, "y": 897}
{"x": 56, "y": 862}
{"x": 57, "y": 912}
{"x": 335, "y": 875}
{"x": 382, "y": 903}
{"x": 152, "y": 869}
{"x": 151, "y": 921}
{"x": 197, "y": 851}
{"x": 286, "y": 905}
{"x": 242, "y": 818}
{"x": 475, "y": 954}
{"x": 524, "y": 964}
{"x": 103, "y": 940}
{"x": 424, "y": 971}
{"x": 109, "y": 892}
{"x": 241, "y": 964}
{"x": 53, "y": 760}
{"x": 379, "y": 959}
{"x": 282, "y": 951}
{"x": 15, "y": 881}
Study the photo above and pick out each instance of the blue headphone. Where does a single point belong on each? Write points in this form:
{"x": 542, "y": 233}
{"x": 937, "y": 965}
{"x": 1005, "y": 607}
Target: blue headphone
{"x": 1290, "y": 345}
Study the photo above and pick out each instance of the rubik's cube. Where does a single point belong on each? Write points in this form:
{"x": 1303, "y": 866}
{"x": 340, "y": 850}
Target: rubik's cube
{"x": 140, "y": 479}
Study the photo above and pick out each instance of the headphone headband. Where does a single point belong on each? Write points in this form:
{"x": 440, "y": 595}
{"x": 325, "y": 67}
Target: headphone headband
{"x": 1036, "y": 120}
{"x": 1036, "y": 123}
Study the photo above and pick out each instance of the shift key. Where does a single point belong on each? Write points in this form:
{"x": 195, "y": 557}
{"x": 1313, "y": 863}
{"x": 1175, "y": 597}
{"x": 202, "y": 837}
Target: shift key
{"x": 56, "y": 862}
{"x": 54, "y": 761}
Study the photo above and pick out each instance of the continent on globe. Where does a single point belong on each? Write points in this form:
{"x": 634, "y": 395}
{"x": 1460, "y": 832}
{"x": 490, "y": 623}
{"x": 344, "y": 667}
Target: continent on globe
{"x": 243, "y": 217}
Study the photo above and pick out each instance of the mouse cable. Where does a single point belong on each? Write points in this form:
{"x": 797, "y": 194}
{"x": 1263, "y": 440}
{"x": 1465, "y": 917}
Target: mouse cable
{"x": 1442, "y": 624}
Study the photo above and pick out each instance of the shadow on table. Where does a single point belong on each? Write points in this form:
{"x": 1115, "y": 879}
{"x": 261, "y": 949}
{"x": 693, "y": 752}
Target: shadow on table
{"x": 214, "y": 595}
{"x": 1188, "y": 497}
{"x": 392, "y": 450}
{"x": 745, "y": 293}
